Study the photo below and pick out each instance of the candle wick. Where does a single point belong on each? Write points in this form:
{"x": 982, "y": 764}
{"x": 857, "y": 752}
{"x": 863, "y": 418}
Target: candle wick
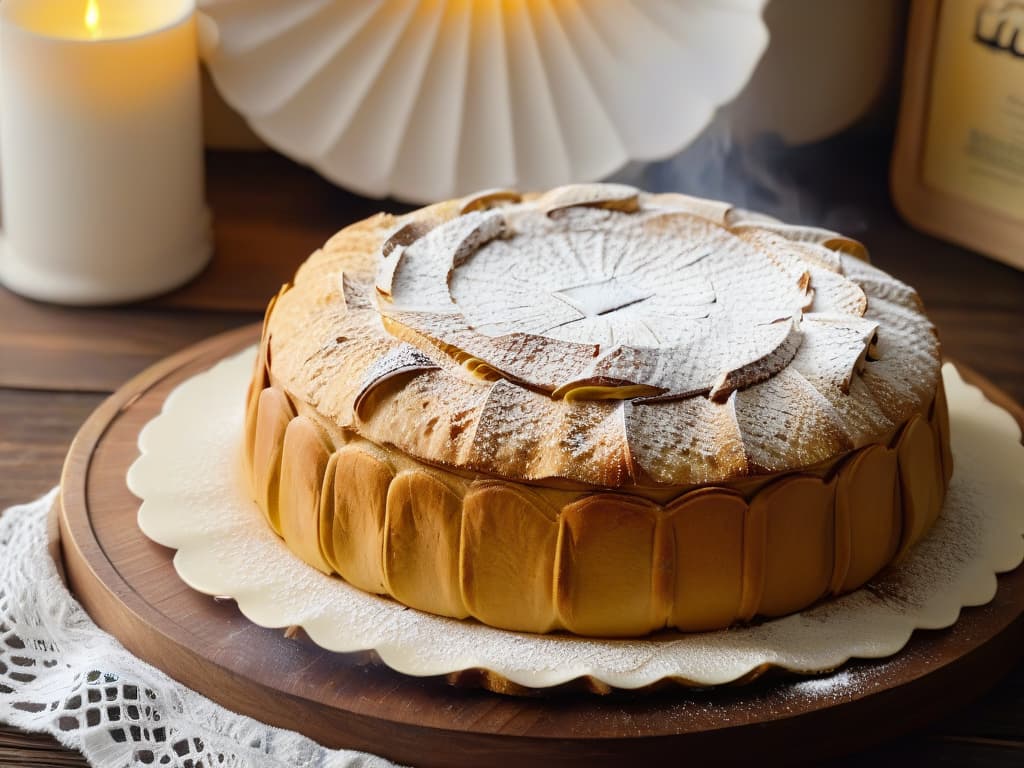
{"x": 92, "y": 19}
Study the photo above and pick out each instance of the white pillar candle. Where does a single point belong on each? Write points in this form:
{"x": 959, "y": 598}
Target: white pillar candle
{"x": 100, "y": 149}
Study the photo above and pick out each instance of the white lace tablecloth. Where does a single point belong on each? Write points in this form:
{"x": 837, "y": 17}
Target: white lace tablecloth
{"x": 63, "y": 675}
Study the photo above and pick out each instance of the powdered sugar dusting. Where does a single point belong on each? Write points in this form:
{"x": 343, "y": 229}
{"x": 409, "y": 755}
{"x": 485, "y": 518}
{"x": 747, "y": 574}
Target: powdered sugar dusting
{"x": 596, "y": 292}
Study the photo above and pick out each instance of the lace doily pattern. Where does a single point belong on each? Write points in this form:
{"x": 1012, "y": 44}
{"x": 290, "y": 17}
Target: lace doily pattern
{"x": 61, "y": 674}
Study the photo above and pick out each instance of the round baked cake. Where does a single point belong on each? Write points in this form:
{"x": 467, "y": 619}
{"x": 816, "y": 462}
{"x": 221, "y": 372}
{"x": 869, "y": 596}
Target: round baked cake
{"x": 597, "y": 410}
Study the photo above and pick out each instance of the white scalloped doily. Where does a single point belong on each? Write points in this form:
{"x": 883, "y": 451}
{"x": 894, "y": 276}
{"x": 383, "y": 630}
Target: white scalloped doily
{"x": 189, "y": 475}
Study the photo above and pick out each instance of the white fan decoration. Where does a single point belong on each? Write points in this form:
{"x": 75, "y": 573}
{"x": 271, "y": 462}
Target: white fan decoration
{"x": 430, "y": 99}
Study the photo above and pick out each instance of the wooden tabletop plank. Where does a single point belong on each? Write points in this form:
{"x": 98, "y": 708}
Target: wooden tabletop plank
{"x": 933, "y": 753}
{"x": 94, "y": 350}
{"x": 36, "y": 429}
{"x": 991, "y": 341}
{"x": 996, "y": 718}
{"x": 27, "y": 750}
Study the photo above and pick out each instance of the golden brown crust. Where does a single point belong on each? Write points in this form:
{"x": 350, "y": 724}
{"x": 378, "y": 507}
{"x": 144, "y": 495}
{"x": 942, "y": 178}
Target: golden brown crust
{"x": 435, "y": 467}
{"x": 596, "y": 563}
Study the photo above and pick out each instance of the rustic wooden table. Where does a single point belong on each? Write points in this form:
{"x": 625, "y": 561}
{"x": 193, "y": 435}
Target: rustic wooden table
{"x": 57, "y": 364}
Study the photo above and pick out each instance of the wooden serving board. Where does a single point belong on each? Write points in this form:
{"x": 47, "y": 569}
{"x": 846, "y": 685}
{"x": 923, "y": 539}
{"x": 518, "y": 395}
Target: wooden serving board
{"x": 128, "y": 585}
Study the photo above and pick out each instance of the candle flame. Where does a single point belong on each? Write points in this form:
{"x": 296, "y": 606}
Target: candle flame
{"x": 92, "y": 18}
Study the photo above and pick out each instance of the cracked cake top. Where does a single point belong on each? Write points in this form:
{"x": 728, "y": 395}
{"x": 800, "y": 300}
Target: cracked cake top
{"x": 603, "y": 335}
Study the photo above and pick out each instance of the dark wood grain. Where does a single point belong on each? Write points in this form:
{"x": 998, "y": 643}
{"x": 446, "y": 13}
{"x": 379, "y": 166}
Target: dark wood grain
{"x": 27, "y": 750}
{"x": 36, "y": 429}
{"x": 93, "y": 350}
{"x": 987, "y": 340}
{"x": 128, "y": 584}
